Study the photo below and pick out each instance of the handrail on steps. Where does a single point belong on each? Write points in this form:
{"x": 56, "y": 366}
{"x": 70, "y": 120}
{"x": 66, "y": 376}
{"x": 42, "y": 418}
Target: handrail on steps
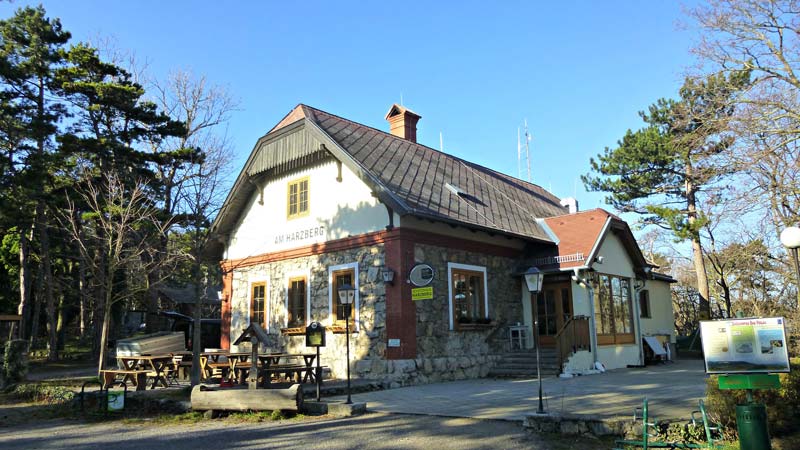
{"x": 568, "y": 336}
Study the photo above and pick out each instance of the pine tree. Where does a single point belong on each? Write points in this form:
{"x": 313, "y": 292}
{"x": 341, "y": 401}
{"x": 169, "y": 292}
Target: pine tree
{"x": 668, "y": 170}
{"x": 31, "y": 50}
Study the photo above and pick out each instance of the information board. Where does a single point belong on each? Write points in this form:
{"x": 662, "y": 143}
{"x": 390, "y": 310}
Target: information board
{"x": 756, "y": 345}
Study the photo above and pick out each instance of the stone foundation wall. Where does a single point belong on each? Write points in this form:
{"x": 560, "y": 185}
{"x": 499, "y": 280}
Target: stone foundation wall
{"x": 404, "y": 372}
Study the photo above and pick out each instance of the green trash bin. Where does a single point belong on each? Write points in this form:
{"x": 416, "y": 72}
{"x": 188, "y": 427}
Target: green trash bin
{"x": 751, "y": 420}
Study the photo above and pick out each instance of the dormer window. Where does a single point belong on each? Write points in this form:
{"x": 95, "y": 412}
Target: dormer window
{"x": 297, "y": 204}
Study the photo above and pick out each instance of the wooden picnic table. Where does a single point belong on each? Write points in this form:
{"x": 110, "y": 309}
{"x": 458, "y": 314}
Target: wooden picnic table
{"x": 157, "y": 366}
{"x": 271, "y": 363}
{"x": 210, "y": 362}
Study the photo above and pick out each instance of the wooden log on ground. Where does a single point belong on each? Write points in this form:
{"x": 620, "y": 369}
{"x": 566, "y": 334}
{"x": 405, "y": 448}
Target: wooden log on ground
{"x": 206, "y": 398}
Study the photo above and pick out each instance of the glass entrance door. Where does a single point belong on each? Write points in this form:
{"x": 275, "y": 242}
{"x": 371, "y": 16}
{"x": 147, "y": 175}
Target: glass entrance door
{"x": 552, "y": 308}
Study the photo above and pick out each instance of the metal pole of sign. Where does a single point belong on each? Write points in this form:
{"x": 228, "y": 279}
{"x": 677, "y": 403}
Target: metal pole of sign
{"x": 347, "y": 331}
{"x": 538, "y": 366}
{"x": 318, "y": 374}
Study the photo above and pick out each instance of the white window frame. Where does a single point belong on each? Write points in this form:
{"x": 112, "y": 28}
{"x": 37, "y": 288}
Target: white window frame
{"x": 250, "y": 283}
{"x": 457, "y": 266}
{"x": 302, "y": 273}
{"x": 356, "y": 302}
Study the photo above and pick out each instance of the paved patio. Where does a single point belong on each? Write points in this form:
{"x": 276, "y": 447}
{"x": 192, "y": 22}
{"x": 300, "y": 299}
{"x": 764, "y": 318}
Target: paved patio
{"x": 672, "y": 390}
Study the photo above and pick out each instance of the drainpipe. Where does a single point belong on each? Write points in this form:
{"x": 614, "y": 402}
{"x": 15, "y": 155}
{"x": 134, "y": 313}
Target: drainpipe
{"x": 637, "y": 314}
{"x": 576, "y": 277}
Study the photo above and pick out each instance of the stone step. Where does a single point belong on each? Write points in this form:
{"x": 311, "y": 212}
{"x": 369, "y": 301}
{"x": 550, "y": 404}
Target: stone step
{"x": 528, "y": 358}
{"x": 514, "y": 373}
{"x": 530, "y": 367}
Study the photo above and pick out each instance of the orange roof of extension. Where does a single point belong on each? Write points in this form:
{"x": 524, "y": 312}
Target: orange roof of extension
{"x": 582, "y": 233}
{"x": 577, "y": 234}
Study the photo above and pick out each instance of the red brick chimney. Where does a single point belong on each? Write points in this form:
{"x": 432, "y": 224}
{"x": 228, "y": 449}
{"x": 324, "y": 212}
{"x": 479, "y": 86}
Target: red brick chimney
{"x": 403, "y": 122}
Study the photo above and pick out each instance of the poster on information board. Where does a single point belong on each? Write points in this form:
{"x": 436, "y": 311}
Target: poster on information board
{"x": 755, "y": 345}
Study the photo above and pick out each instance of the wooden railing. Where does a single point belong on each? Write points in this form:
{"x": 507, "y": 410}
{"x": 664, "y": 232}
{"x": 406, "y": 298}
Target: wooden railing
{"x": 572, "y": 337}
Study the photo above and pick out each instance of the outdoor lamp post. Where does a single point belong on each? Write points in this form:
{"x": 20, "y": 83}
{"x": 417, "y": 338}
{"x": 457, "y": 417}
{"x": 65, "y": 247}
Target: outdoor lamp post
{"x": 347, "y": 294}
{"x": 790, "y": 238}
{"x": 533, "y": 278}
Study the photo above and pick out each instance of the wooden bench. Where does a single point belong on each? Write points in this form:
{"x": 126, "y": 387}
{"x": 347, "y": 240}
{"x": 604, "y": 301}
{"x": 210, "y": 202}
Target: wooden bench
{"x": 137, "y": 377}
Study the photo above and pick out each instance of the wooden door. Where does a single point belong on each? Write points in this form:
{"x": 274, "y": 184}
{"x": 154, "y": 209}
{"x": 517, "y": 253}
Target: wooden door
{"x": 552, "y": 308}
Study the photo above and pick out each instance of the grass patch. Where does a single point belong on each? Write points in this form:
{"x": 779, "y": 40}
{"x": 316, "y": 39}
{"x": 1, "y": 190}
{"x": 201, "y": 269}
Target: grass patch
{"x": 167, "y": 419}
{"x": 261, "y": 416}
{"x": 43, "y": 393}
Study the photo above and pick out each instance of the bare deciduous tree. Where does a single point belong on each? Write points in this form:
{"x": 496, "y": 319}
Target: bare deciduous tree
{"x": 118, "y": 223}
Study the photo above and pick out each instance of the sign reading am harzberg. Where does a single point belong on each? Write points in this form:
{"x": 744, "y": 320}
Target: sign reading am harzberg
{"x": 755, "y": 345}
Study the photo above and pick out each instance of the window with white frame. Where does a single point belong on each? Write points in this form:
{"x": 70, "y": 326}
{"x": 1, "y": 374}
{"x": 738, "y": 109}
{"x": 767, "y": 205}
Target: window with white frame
{"x": 297, "y": 301}
{"x": 468, "y": 295}
{"x": 258, "y": 303}
{"x": 338, "y": 276}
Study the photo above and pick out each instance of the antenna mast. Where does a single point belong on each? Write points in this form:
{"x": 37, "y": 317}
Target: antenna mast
{"x": 519, "y": 155}
{"x": 528, "y": 149}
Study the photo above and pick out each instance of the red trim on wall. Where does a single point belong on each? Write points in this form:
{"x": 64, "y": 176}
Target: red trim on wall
{"x": 401, "y": 313}
{"x": 377, "y": 237}
{"x": 227, "y": 296}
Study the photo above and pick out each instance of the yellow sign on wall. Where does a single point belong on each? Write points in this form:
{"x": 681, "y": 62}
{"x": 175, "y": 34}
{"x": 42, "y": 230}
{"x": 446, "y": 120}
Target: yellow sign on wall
{"x": 422, "y": 293}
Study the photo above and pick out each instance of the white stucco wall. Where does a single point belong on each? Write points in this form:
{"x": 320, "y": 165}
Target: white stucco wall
{"x": 336, "y": 210}
{"x": 615, "y": 258}
{"x": 618, "y": 356}
{"x": 662, "y": 319}
{"x": 617, "y": 262}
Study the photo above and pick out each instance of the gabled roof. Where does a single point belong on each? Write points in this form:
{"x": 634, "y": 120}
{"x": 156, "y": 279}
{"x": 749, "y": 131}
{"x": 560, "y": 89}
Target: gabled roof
{"x": 581, "y": 234}
{"x": 408, "y": 177}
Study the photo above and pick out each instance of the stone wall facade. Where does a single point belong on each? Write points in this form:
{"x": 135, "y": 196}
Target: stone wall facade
{"x": 368, "y": 342}
{"x": 442, "y": 353}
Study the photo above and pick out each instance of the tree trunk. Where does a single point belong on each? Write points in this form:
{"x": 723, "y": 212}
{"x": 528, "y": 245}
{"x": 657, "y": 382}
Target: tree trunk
{"x": 24, "y": 285}
{"x": 704, "y": 310}
{"x": 62, "y": 322}
{"x": 151, "y": 318}
{"x": 104, "y": 330}
{"x": 83, "y": 299}
{"x": 47, "y": 274}
{"x": 726, "y": 292}
{"x": 197, "y": 330}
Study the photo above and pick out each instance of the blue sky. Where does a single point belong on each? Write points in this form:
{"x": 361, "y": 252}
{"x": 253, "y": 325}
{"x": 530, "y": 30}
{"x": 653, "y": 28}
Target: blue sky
{"x": 474, "y": 70}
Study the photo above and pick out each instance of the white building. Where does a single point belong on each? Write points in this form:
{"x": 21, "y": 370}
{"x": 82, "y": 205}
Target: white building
{"x": 324, "y": 201}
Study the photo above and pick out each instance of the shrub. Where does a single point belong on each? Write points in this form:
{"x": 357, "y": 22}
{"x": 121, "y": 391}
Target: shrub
{"x": 15, "y": 361}
{"x": 44, "y": 393}
{"x": 783, "y": 405}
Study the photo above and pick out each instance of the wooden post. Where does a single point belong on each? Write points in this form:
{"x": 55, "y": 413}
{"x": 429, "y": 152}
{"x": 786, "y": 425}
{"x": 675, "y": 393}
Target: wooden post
{"x": 252, "y": 378}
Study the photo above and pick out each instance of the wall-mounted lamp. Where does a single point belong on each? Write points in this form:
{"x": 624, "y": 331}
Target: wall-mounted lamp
{"x": 600, "y": 259}
{"x": 533, "y": 278}
{"x": 388, "y": 276}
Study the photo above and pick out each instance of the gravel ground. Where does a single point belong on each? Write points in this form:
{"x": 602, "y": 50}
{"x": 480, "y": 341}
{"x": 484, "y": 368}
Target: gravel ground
{"x": 371, "y": 431}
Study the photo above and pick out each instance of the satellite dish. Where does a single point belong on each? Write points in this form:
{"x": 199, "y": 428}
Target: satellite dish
{"x": 421, "y": 275}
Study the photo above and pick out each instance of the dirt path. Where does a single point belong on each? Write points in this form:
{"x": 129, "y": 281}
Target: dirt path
{"x": 371, "y": 431}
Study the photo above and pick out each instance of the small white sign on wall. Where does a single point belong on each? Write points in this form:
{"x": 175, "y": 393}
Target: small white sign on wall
{"x": 394, "y": 343}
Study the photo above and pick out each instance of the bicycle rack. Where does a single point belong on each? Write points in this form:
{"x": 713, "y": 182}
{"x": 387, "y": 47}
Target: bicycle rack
{"x": 102, "y": 401}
